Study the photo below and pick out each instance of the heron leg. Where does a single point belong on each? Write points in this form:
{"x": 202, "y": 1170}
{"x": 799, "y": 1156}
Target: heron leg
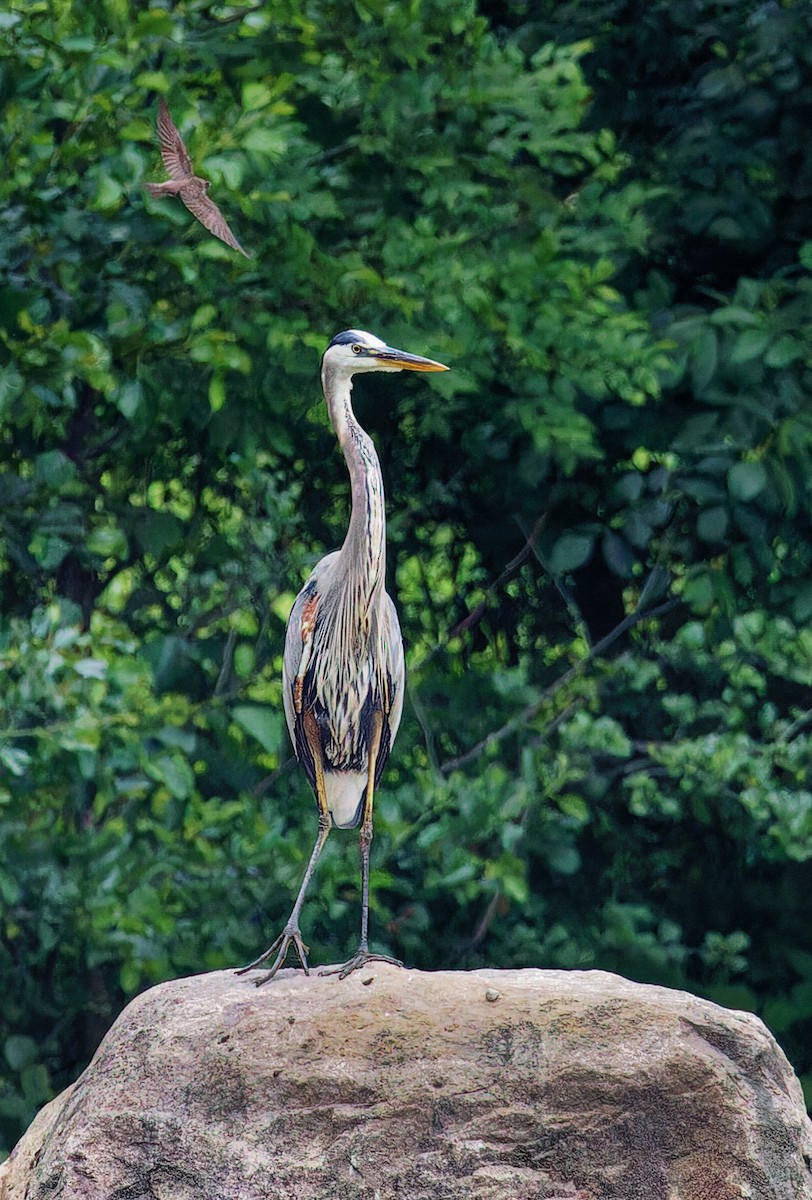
{"x": 291, "y": 934}
{"x": 362, "y": 955}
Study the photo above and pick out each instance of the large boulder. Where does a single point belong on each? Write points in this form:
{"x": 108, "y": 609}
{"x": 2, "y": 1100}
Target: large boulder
{"x": 550, "y": 1085}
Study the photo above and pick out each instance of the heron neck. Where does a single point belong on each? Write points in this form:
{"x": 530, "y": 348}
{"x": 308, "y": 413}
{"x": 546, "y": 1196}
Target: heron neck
{"x": 363, "y": 554}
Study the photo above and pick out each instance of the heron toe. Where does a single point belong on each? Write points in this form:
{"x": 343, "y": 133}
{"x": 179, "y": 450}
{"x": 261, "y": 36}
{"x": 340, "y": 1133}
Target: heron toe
{"x": 360, "y": 960}
{"x": 290, "y": 935}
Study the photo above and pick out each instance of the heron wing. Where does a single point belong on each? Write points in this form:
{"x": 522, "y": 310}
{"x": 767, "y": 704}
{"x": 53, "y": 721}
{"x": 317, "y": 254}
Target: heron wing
{"x": 209, "y": 214}
{"x": 290, "y": 664}
{"x": 392, "y": 680}
{"x": 299, "y": 635}
{"x": 173, "y": 152}
{"x": 395, "y": 665}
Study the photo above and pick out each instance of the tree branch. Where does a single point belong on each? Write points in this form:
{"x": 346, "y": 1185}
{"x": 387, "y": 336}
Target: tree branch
{"x": 478, "y": 612}
{"x": 531, "y": 710}
{"x": 267, "y": 782}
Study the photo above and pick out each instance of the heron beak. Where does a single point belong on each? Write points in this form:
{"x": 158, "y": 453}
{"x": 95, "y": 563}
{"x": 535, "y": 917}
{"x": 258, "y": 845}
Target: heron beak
{"x": 400, "y": 360}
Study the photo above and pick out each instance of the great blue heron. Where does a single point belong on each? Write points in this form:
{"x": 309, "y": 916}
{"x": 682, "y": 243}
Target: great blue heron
{"x": 343, "y": 668}
{"x": 183, "y": 182}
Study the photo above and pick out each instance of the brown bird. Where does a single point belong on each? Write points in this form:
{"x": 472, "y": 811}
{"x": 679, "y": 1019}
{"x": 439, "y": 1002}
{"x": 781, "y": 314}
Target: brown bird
{"x": 184, "y": 183}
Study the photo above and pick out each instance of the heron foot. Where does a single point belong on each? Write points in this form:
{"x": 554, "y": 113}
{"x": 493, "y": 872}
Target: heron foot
{"x": 289, "y": 936}
{"x": 360, "y": 960}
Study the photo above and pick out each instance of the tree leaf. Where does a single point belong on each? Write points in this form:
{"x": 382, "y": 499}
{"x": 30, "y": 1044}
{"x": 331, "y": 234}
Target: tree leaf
{"x": 749, "y": 345}
{"x": 20, "y": 1051}
{"x": 746, "y": 480}
{"x": 570, "y": 551}
{"x": 263, "y": 724}
{"x": 711, "y": 524}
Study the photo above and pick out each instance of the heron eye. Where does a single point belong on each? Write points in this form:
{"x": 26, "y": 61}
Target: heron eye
{"x": 357, "y": 349}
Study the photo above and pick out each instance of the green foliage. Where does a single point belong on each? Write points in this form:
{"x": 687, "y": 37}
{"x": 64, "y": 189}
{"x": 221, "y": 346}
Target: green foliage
{"x": 599, "y": 539}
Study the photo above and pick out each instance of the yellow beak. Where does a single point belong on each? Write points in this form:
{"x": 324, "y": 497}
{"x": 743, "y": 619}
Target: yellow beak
{"x": 407, "y": 362}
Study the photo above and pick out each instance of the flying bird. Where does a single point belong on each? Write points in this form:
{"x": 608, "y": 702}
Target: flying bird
{"x": 343, "y": 669}
{"x": 183, "y": 182}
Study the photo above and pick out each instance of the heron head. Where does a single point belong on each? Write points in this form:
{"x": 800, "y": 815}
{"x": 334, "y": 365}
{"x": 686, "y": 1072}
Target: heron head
{"x": 354, "y": 351}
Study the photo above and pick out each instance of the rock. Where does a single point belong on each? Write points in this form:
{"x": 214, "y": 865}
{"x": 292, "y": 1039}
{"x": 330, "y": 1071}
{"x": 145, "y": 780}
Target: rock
{"x": 403, "y": 1084}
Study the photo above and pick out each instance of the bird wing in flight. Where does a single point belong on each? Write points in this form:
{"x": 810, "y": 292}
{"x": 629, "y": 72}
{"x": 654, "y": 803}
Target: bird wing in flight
{"x": 173, "y": 152}
{"x": 209, "y": 214}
